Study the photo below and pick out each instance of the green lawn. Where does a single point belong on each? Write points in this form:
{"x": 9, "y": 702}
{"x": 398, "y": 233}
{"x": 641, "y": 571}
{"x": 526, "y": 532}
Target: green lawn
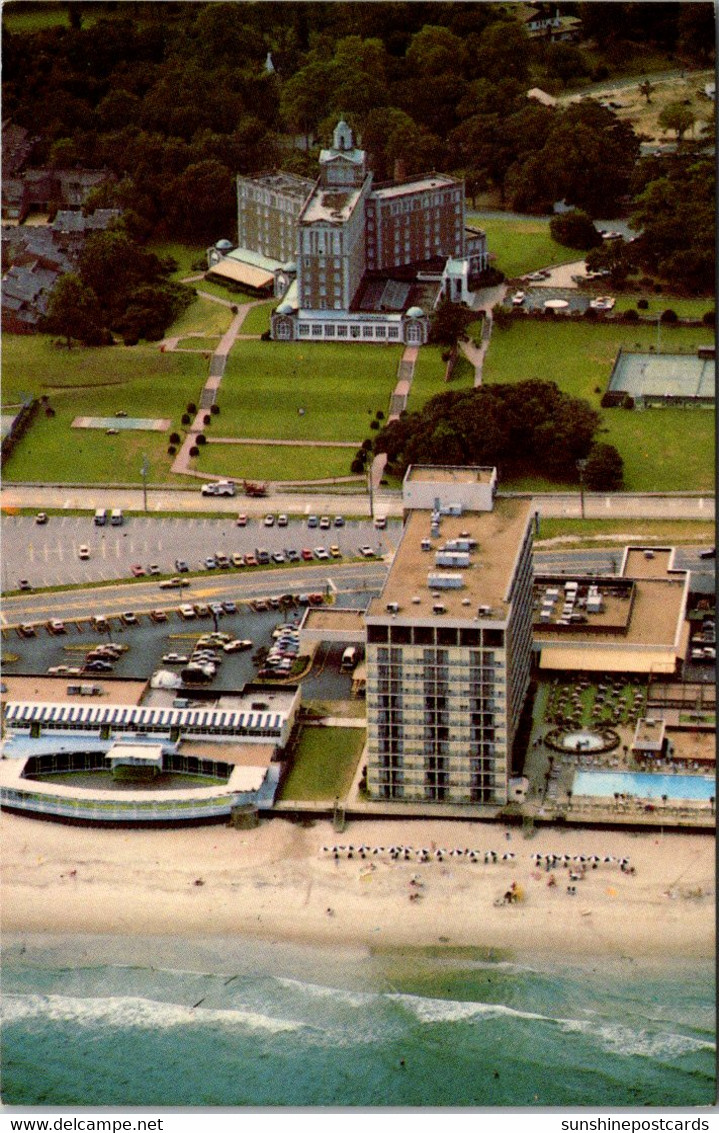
{"x": 663, "y": 449}
{"x": 185, "y": 255}
{"x": 274, "y": 462}
{"x": 203, "y": 316}
{"x": 685, "y": 308}
{"x": 519, "y": 246}
{"x": 339, "y": 387}
{"x": 324, "y": 764}
{"x": 599, "y": 532}
{"x": 429, "y": 380}
{"x": 257, "y": 319}
{"x": 141, "y": 380}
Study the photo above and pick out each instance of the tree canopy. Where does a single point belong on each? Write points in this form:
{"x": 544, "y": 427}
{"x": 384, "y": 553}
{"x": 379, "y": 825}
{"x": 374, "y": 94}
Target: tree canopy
{"x": 530, "y": 427}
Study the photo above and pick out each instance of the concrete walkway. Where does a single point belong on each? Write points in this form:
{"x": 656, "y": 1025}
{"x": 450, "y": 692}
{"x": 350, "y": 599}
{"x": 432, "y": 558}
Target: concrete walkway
{"x": 405, "y": 374}
{"x": 181, "y": 463}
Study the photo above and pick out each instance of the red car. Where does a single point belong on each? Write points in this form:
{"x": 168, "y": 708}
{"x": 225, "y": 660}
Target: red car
{"x": 307, "y": 554}
{"x": 138, "y": 571}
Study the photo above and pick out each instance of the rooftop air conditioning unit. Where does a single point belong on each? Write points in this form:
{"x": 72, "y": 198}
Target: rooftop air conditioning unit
{"x": 484, "y": 611}
{"x": 393, "y": 607}
{"x": 438, "y": 608}
{"x": 416, "y": 599}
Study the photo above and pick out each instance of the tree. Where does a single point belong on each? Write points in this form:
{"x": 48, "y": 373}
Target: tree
{"x": 678, "y": 117}
{"x": 574, "y": 229}
{"x": 74, "y": 312}
{"x": 448, "y": 323}
{"x": 604, "y": 470}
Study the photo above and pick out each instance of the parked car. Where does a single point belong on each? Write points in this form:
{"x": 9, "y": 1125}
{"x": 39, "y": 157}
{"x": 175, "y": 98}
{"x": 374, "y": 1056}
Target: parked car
{"x": 335, "y": 551}
{"x": 138, "y": 570}
{"x": 367, "y": 552}
{"x": 187, "y": 612}
{"x": 223, "y": 562}
{"x": 182, "y": 565}
{"x": 26, "y": 629}
{"x": 518, "y": 298}
{"x": 282, "y": 521}
{"x": 101, "y": 624}
{"x": 237, "y": 646}
{"x": 55, "y": 626}
{"x": 325, "y": 523}
{"x": 339, "y": 521}
{"x": 312, "y": 521}
{"x": 217, "y": 609}
{"x": 24, "y": 584}
{"x": 174, "y": 659}
{"x": 269, "y": 521}
{"x": 83, "y": 551}
{"x": 380, "y": 522}
{"x": 238, "y": 560}
{"x": 210, "y": 563}
{"x": 250, "y": 559}
{"x": 202, "y": 610}
{"x": 262, "y": 555}
{"x": 128, "y": 618}
{"x": 154, "y": 569}
{"x": 241, "y": 520}
{"x": 307, "y": 554}
{"x": 41, "y": 518}
{"x": 98, "y": 667}
{"x": 230, "y": 607}
{"x": 321, "y": 553}
{"x": 292, "y": 555}
{"x": 278, "y": 557}
{"x": 158, "y": 616}
{"x": 708, "y": 554}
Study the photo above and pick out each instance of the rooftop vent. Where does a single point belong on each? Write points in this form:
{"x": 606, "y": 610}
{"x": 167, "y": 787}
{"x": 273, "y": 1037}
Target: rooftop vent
{"x": 439, "y": 608}
{"x": 393, "y": 607}
{"x": 483, "y": 611}
{"x": 446, "y": 581}
{"x": 416, "y": 599}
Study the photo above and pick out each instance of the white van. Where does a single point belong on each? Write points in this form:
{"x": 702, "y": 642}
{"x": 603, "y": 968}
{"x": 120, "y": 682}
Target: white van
{"x": 349, "y": 659}
{"x": 101, "y": 517}
{"x": 116, "y": 517}
{"x": 219, "y": 488}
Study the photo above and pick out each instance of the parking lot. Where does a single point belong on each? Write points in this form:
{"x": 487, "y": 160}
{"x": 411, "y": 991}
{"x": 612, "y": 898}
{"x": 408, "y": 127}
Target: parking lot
{"x": 148, "y": 643}
{"x": 49, "y": 555}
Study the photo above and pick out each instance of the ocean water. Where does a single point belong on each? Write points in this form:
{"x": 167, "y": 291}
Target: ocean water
{"x": 106, "y": 1021}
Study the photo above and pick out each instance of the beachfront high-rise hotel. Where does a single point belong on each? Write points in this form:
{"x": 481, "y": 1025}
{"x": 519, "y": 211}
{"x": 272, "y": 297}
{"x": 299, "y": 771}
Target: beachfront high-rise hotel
{"x": 449, "y": 642}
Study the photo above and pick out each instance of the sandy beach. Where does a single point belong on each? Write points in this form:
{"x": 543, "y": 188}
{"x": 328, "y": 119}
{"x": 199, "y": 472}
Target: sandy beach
{"x": 275, "y": 882}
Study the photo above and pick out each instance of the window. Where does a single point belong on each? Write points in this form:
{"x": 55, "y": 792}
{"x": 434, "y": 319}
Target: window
{"x": 355, "y": 332}
{"x": 393, "y": 332}
{"x": 316, "y": 329}
{"x": 367, "y": 332}
{"x": 329, "y": 330}
{"x": 341, "y": 331}
{"x": 380, "y": 332}
{"x": 304, "y": 329}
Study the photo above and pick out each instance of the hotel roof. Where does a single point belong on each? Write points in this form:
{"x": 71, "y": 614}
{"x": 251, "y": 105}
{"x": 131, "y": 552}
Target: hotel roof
{"x": 331, "y": 204}
{"x": 485, "y": 582}
{"x": 419, "y": 185}
{"x": 446, "y": 474}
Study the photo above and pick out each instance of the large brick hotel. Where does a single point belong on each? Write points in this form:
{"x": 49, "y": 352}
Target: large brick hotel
{"x": 351, "y": 260}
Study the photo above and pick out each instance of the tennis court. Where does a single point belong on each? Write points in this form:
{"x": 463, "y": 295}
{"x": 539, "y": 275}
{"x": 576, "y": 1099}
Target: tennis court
{"x": 664, "y": 377}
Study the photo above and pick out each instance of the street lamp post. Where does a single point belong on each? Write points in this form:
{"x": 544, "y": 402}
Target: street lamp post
{"x": 581, "y": 465}
{"x": 143, "y": 472}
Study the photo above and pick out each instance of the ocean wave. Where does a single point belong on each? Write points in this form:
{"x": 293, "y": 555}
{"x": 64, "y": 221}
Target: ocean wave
{"x": 615, "y": 1038}
{"x": 132, "y": 1011}
{"x": 336, "y": 995}
{"x": 457, "y": 1011}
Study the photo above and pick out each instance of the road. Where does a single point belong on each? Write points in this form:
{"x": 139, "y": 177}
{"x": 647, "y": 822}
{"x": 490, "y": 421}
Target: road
{"x": 619, "y": 505}
{"x": 349, "y": 580}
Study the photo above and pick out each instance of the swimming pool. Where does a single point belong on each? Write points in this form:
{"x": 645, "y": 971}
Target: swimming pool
{"x": 643, "y": 785}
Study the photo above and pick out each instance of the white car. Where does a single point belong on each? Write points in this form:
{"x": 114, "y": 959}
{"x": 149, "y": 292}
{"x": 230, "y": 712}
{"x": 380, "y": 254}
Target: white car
{"x": 518, "y": 298}
{"x": 174, "y": 659}
{"x": 269, "y": 521}
{"x": 367, "y": 552}
{"x": 83, "y": 551}
{"x": 187, "y": 612}
{"x": 321, "y": 553}
{"x": 602, "y": 303}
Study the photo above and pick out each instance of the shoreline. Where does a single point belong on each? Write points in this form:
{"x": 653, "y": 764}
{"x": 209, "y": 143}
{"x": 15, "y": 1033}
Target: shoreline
{"x": 274, "y": 884}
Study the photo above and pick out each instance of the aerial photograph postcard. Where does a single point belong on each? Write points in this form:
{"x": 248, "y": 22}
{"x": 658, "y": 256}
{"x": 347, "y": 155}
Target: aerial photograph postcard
{"x": 358, "y": 695}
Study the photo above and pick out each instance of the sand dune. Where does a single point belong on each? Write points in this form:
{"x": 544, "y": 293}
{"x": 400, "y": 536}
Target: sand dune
{"x": 275, "y": 882}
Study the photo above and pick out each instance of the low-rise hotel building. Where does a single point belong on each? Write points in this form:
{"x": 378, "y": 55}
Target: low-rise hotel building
{"x": 449, "y": 642}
